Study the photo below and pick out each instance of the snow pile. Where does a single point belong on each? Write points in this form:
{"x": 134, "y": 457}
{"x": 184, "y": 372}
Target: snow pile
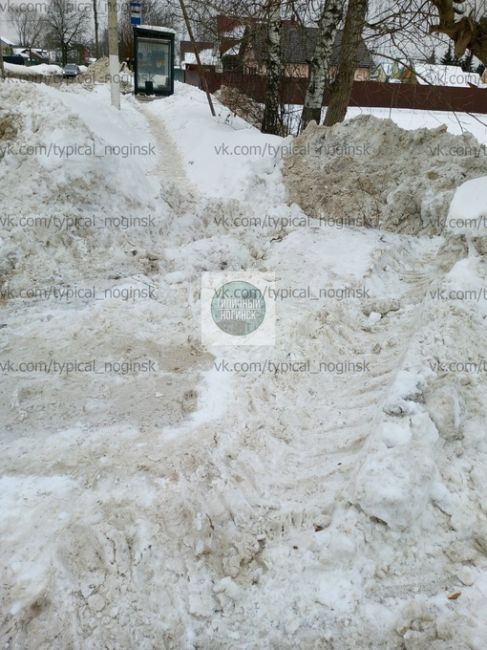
{"x": 99, "y": 73}
{"x": 32, "y": 72}
{"x": 241, "y": 104}
{"x": 371, "y": 172}
{"x": 64, "y": 166}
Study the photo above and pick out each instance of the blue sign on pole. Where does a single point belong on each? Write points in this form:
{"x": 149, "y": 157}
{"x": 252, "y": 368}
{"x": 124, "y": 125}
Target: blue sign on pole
{"x": 135, "y": 12}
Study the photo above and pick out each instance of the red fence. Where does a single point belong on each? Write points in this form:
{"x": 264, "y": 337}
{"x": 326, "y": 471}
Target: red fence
{"x": 364, "y": 93}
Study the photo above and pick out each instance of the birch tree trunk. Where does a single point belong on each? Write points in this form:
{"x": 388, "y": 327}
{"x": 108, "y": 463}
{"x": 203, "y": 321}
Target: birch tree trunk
{"x": 341, "y": 88}
{"x": 272, "y": 122}
{"x": 320, "y": 63}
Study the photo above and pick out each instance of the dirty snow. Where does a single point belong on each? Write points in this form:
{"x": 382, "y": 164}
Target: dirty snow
{"x": 371, "y": 172}
{"x": 189, "y": 507}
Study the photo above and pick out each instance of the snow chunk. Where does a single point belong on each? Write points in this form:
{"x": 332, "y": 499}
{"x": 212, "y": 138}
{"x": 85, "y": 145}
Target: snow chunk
{"x": 468, "y": 209}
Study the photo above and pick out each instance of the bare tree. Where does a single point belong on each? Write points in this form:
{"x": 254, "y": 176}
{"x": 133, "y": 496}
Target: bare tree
{"x": 272, "y": 122}
{"x": 341, "y": 88}
{"x": 396, "y": 30}
{"x": 468, "y": 33}
{"x": 66, "y": 25}
{"x": 320, "y": 62}
{"x": 28, "y": 24}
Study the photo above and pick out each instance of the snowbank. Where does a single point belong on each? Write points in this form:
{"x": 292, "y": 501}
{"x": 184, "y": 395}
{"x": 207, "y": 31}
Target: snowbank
{"x": 72, "y": 163}
{"x": 371, "y": 172}
{"x": 42, "y": 70}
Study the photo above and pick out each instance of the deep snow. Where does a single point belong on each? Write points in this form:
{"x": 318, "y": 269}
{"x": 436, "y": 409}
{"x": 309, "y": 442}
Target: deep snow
{"x": 189, "y": 506}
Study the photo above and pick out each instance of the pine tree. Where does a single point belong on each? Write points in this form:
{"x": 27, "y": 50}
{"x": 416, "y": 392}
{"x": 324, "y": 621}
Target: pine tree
{"x": 467, "y": 62}
{"x": 451, "y": 59}
{"x": 457, "y": 61}
{"x": 447, "y": 59}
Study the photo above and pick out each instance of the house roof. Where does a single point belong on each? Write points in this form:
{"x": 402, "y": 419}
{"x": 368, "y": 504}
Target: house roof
{"x": 6, "y": 41}
{"x": 26, "y": 52}
{"x": 297, "y": 43}
{"x": 207, "y": 57}
{"x": 233, "y": 51}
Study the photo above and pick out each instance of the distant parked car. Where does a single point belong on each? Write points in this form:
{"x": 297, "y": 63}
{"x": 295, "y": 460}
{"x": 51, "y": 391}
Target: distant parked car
{"x": 71, "y": 70}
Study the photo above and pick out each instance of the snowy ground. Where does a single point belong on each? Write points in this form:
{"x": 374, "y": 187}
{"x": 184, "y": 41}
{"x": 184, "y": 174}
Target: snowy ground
{"x": 153, "y": 497}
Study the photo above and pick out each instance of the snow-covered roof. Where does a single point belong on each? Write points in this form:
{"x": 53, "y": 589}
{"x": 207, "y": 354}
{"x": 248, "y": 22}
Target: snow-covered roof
{"x": 388, "y": 66}
{"x": 158, "y": 28}
{"x": 6, "y": 40}
{"x": 445, "y": 75}
{"x": 207, "y": 57}
{"x": 25, "y": 52}
{"x": 233, "y": 51}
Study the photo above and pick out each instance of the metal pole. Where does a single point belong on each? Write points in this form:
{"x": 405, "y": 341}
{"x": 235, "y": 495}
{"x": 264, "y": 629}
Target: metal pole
{"x": 113, "y": 53}
{"x": 201, "y": 71}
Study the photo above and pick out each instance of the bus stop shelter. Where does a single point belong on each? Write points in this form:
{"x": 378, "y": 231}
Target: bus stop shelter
{"x": 153, "y": 60}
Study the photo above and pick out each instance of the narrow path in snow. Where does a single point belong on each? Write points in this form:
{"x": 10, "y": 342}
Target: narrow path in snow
{"x": 170, "y": 167}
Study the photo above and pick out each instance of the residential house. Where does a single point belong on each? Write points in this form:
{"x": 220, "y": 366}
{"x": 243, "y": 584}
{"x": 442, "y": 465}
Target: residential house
{"x": 243, "y": 46}
{"x": 33, "y": 56}
{"x": 388, "y": 72}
